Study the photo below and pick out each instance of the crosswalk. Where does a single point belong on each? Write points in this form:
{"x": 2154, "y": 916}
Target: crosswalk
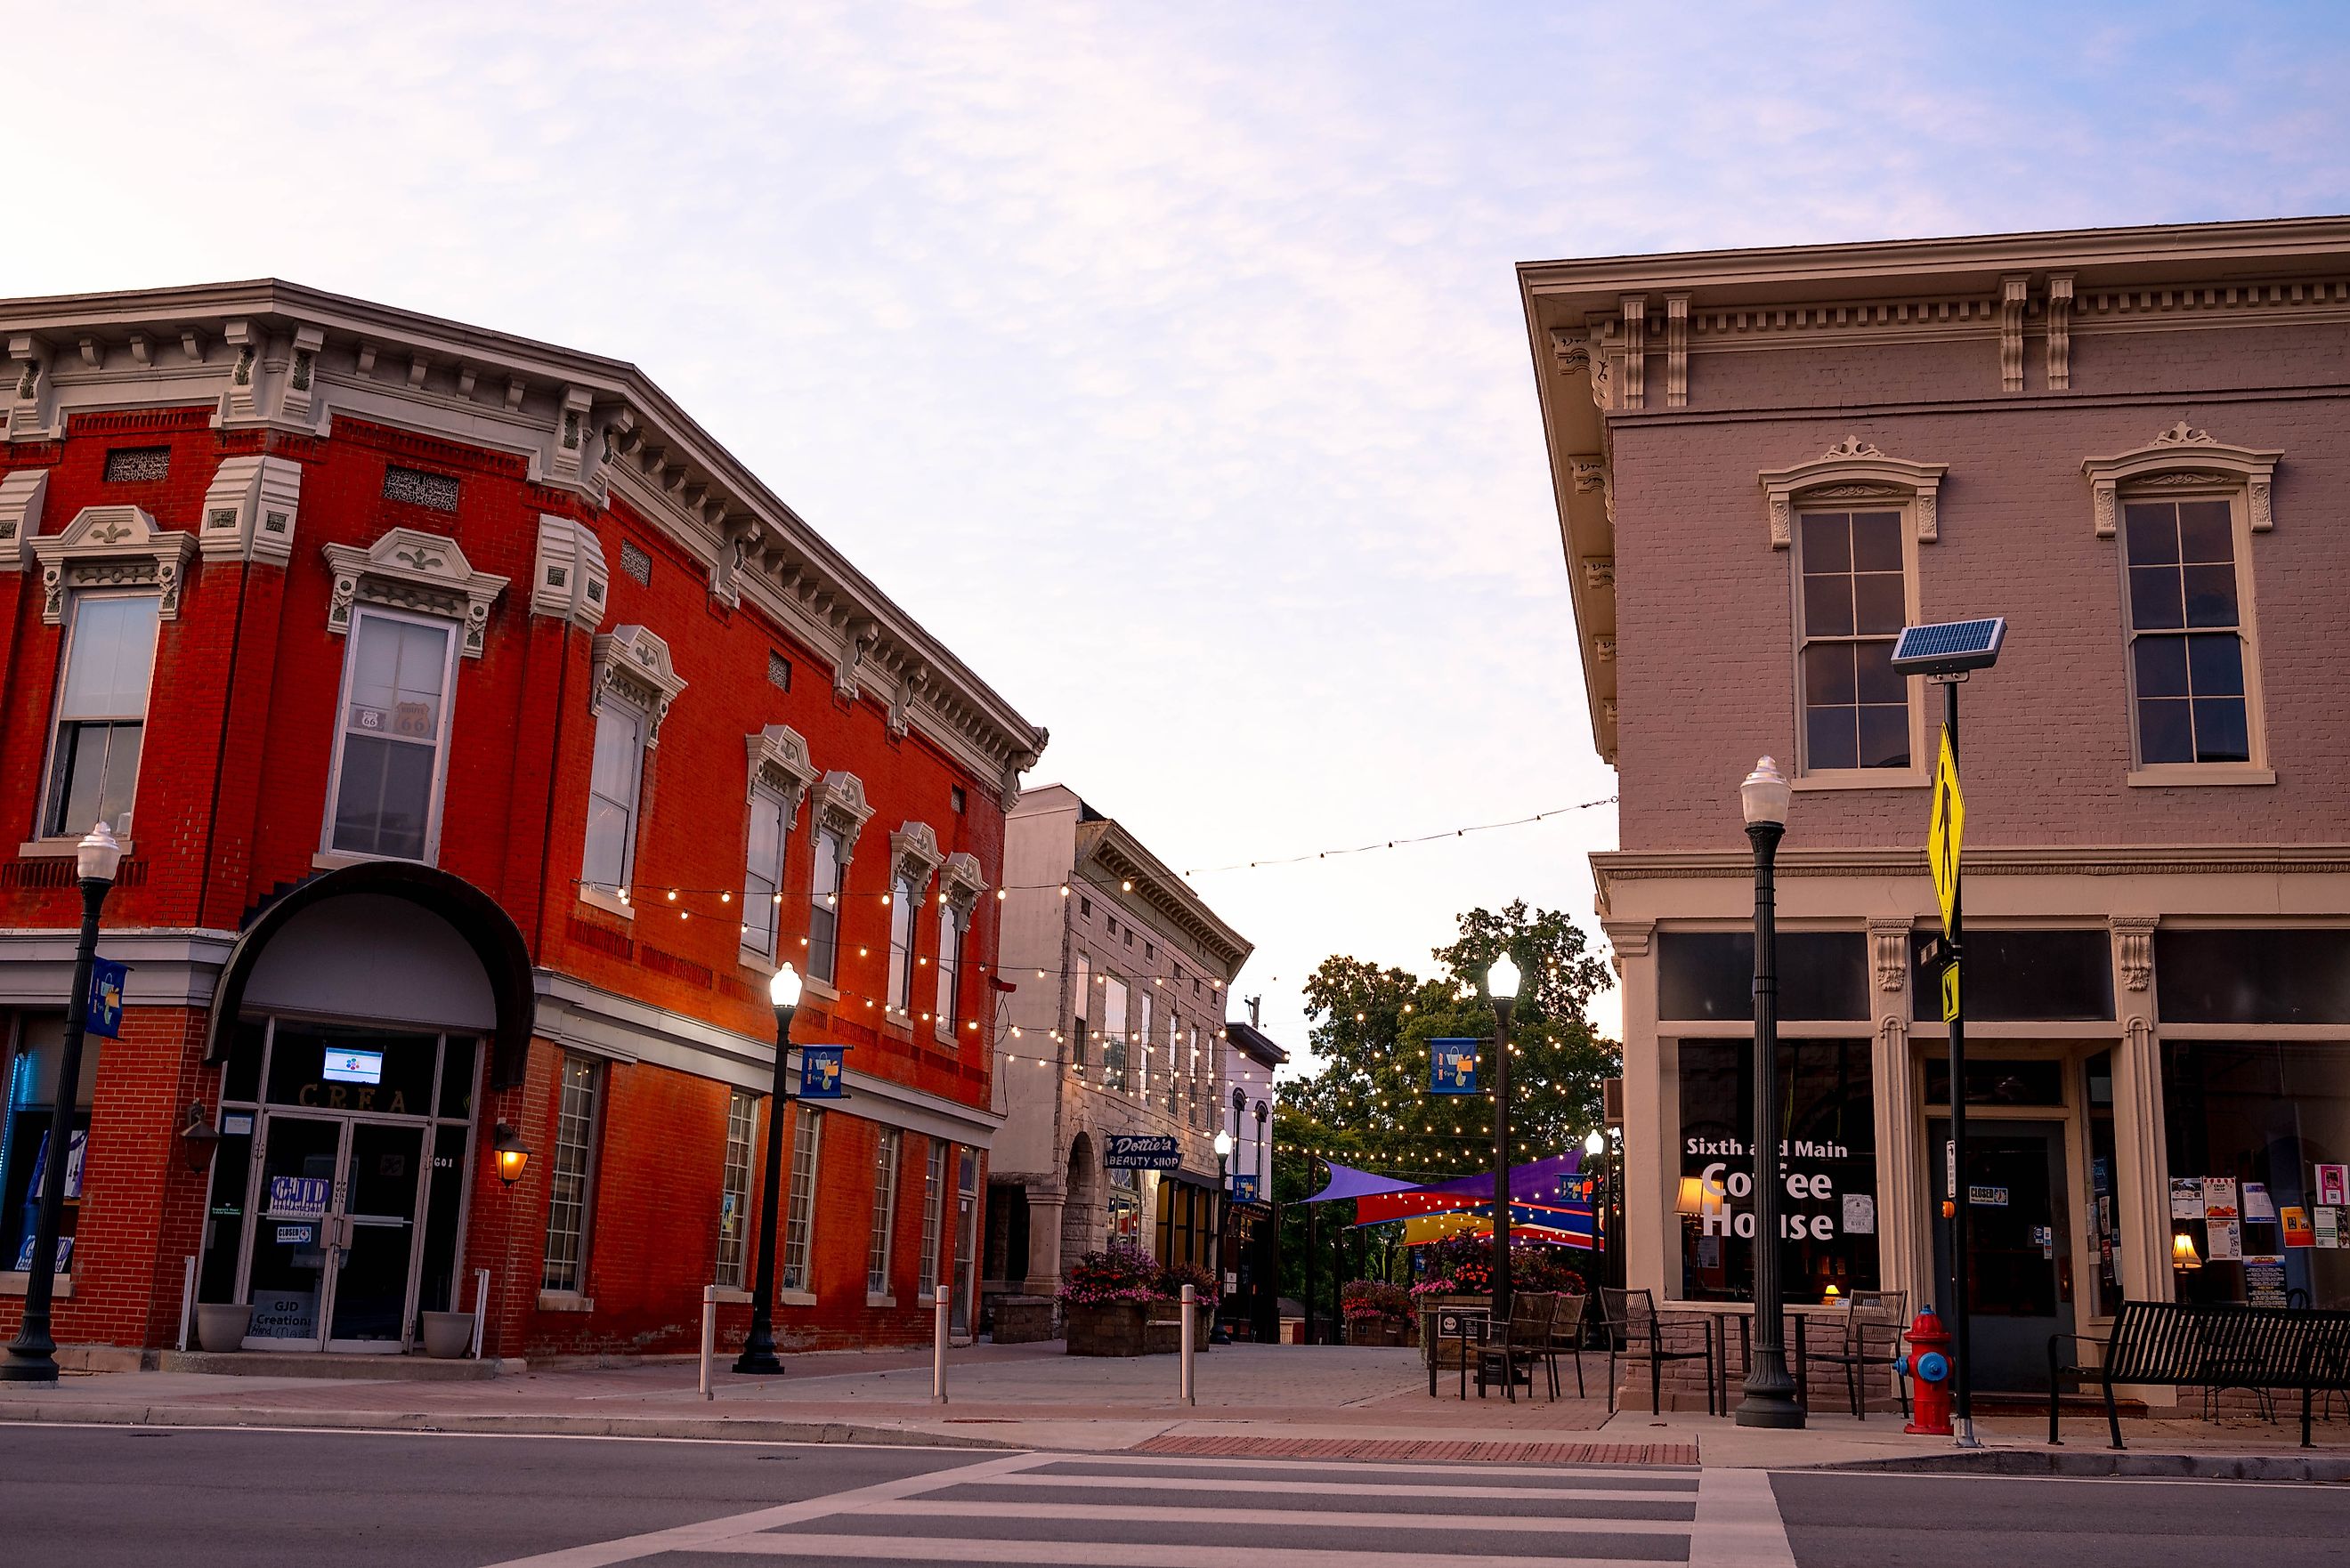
{"x": 1133, "y": 1511}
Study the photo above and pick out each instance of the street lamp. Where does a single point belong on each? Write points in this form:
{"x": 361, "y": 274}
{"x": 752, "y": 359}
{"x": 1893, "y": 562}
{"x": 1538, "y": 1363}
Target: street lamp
{"x": 33, "y": 1355}
{"x": 759, "y": 1350}
{"x": 1502, "y": 989}
{"x": 1770, "y": 1392}
{"x": 1217, "y": 1332}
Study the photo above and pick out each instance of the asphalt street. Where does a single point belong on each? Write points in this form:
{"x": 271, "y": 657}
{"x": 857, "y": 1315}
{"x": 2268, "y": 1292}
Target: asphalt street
{"x": 256, "y": 1498}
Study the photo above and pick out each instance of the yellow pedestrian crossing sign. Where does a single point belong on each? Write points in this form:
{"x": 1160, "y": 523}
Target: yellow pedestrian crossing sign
{"x": 1949, "y": 992}
{"x": 1945, "y": 830}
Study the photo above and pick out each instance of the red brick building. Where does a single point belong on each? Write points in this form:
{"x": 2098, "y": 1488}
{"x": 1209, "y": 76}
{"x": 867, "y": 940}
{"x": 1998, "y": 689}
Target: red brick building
{"x": 482, "y": 735}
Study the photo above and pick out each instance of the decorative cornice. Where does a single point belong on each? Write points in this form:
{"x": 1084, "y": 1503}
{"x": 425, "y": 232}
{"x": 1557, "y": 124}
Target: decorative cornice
{"x": 568, "y": 579}
{"x": 2134, "y": 945}
{"x": 1852, "y": 470}
{"x": 1104, "y": 846}
{"x": 841, "y": 810}
{"x": 632, "y": 663}
{"x": 2182, "y": 455}
{"x": 410, "y": 570}
{"x": 22, "y": 495}
{"x": 1888, "y": 949}
{"x": 112, "y": 547}
{"x": 250, "y": 509}
{"x": 2085, "y": 861}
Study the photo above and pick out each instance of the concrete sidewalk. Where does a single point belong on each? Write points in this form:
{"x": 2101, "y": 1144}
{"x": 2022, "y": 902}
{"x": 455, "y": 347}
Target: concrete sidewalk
{"x": 1252, "y": 1399}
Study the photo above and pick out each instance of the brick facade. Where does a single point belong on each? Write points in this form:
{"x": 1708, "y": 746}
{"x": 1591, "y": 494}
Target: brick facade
{"x": 232, "y": 794}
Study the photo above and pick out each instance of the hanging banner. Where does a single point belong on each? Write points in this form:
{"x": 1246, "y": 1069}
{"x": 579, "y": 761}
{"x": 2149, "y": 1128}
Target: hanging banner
{"x": 820, "y": 1072}
{"x": 1452, "y": 1066}
{"x": 1245, "y": 1188}
{"x": 103, "y": 1015}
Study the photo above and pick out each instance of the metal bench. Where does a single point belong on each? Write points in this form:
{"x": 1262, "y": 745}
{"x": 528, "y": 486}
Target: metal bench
{"x": 2186, "y": 1344}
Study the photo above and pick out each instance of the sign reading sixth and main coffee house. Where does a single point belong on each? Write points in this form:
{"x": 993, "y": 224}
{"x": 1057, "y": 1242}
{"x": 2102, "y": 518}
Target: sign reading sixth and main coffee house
{"x": 1725, "y": 1208}
{"x": 1141, "y": 1151}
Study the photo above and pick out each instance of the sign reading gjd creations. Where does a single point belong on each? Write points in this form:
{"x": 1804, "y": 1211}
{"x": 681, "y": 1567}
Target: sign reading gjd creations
{"x": 1452, "y": 1066}
{"x": 1139, "y": 1151}
{"x": 820, "y": 1072}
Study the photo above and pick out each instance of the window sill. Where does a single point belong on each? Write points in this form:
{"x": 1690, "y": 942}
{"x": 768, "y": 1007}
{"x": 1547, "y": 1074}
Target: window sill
{"x": 2179, "y": 775}
{"x": 876, "y": 1299}
{"x": 796, "y": 1298}
{"x": 729, "y": 1295}
{"x": 57, "y": 849}
{"x": 610, "y": 903}
{"x": 823, "y": 991}
{"x": 15, "y": 1282}
{"x": 1861, "y": 778}
{"x": 335, "y": 859}
{"x": 765, "y": 964}
{"x": 565, "y": 1301}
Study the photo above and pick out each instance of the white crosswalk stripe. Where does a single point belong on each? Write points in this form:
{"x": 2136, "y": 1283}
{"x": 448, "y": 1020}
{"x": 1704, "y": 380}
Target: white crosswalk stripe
{"x": 1150, "y": 1511}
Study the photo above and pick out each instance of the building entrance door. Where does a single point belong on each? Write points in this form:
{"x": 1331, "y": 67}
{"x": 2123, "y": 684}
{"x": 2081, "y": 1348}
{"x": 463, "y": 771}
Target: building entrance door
{"x": 2019, "y": 1248}
{"x": 332, "y": 1261}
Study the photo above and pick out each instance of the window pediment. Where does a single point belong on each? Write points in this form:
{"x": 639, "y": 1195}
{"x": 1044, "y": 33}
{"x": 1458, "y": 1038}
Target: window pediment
{"x": 960, "y": 882}
{"x": 2182, "y": 457}
{"x": 633, "y": 663}
{"x": 1853, "y": 470}
{"x": 914, "y": 854}
{"x": 410, "y": 570}
{"x": 841, "y": 809}
{"x": 779, "y": 761}
{"x": 112, "y": 547}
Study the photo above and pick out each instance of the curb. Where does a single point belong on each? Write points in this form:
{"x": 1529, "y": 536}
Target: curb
{"x": 2307, "y": 1468}
{"x": 732, "y": 1429}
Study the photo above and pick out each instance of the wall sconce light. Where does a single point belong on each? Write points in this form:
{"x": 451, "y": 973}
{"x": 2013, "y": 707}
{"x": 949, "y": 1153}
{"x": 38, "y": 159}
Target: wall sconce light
{"x": 513, "y": 1154}
{"x": 198, "y": 1137}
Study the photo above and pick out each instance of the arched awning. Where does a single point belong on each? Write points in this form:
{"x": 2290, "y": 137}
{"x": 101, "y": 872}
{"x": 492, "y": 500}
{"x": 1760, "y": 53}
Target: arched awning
{"x": 475, "y": 917}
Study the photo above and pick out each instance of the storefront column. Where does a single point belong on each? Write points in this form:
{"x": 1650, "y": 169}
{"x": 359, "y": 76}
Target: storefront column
{"x": 2142, "y": 1184}
{"x": 1044, "y": 1214}
{"x": 1651, "y": 1118}
{"x": 1905, "y": 1255}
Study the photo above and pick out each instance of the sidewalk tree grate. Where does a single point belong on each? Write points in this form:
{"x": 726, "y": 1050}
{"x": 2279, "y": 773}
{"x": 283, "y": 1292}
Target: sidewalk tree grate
{"x": 1468, "y": 1450}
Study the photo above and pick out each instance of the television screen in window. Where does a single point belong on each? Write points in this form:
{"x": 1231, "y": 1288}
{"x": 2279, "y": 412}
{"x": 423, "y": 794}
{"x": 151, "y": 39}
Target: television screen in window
{"x": 353, "y": 1066}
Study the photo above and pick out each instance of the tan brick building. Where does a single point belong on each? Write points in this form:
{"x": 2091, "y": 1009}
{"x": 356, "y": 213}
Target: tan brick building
{"x": 2132, "y": 444}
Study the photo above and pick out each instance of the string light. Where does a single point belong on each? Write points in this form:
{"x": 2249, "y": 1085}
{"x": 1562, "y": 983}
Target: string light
{"x": 1393, "y": 843}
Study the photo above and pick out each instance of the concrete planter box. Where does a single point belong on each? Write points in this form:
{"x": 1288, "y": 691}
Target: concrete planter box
{"x": 447, "y": 1335}
{"x": 1383, "y": 1331}
{"x": 221, "y": 1326}
{"x": 1446, "y": 1352}
{"x": 1022, "y": 1320}
{"x": 1134, "y": 1328}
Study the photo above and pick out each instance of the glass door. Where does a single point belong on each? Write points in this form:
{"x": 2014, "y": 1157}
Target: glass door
{"x": 376, "y": 1238}
{"x": 293, "y": 1203}
{"x": 2019, "y": 1248}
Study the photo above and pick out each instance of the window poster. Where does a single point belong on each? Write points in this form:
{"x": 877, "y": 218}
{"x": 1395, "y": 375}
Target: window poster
{"x": 2297, "y": 1231}
{"x": 2264, "y": 1280}
{"x": 2333, "y": 1184}
{"x": 2327, "y": 1227}
{"x": 2219, "y": 1198}
{"x": 2258, "y": 1204}
{"x": 2223, "y": 1240}
{"x": 2186, "y": 1198}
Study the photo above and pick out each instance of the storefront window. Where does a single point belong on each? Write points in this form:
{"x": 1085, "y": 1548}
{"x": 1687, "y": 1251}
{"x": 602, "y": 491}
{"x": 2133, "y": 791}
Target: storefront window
{"x": 2264, "y": 1129}
{"x": 1703, "y": 975}
{"x": 32, "y": 1098}
{"x": 2253, "y": 976}
{"x": 1828, "y": 1147}
{"x": 2025, "y": 976}
{"x": 2104, "y": 1192}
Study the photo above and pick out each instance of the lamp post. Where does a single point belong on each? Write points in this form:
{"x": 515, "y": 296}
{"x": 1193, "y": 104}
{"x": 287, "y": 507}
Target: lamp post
{"x": 1770, "y": 1392}
{"x": 33, "y": 1355}
{"x": 759, "y": 1349}
{"x": 1502, "y": 989}
{"x": 1217, "y": 1332}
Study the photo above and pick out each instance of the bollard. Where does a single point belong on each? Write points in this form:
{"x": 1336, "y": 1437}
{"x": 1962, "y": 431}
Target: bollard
{"x": 938, "y": 1351}
{"x": 1190, "y": 1320}
{"x": 481, "y": 1307}
{"x": 187, "y": 1300}
{"x": 709, "y": 1338}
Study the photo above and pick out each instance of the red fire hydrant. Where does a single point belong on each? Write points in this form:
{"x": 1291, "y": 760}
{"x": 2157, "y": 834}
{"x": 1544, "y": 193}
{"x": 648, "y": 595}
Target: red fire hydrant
{"x": 1928, "y": 1367}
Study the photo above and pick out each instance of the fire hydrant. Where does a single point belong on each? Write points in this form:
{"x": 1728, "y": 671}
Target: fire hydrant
{"x": 1928, "y": 1367}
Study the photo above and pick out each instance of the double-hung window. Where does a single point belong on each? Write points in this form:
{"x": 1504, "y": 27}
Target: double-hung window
{"x": 1852, "y": 602}
{"x": 763, "y": 875}
{"x": 1081, "y": 1007}
{"x": 391, "y": 738}
{"x": 952, "y": 921}
{"x": 1142, "y": 1073}
{"x": 934, "y": 1194}
{"x": 904, "y": 897}
{"x": 1115, "y": 1044}
{"x": 799, "y": 1210}
{"x": 824, "y": 908}
{"x": 2189, "y": 673}
{"x": 613, "y": 780}
{"x": 571, "y": 1184}
{"x": 885, "y": 1212}
{"x": 734, "y": 1194}
{"x": 101, "y": 714}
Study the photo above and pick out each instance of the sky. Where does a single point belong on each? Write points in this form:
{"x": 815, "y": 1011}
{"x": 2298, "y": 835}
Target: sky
{"x": 1166, "y": 362}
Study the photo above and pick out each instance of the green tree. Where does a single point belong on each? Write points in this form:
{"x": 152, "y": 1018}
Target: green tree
{"x": 1368, "y": 1104}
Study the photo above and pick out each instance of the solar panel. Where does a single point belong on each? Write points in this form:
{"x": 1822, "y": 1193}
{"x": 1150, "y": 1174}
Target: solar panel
{"x": 1949, "y": 647}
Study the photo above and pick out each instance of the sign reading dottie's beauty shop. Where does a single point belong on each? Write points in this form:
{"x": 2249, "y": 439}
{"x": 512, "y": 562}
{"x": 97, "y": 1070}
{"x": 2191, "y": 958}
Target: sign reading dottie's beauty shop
{"x": 1142, "y": 1151}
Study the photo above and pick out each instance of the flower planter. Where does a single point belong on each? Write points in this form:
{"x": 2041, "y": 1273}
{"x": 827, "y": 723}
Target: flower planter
{"x": 221, "y": 1326}
{"x": 1381, "y": 1331}
{"x": 1445, "y": 1353}
{"x": 1110, "y": 1328}
{"x": 447, "y": 1335}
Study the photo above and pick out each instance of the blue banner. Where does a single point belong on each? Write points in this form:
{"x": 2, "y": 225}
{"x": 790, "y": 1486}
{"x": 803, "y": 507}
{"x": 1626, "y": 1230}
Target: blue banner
{"x": 1243, "y": 1189}
{"x": 1452, "y": 1066}
{"x": 820, "y": 1072}
{"x": 103, "y": 1015}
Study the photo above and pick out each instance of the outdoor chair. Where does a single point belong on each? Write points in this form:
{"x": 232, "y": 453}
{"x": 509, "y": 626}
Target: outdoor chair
{"x": 1636, "y": 1331}
{"x": 1566, "y": 1339}
{"x": 1524, "y": 1341}
{"x": 1873, "y": 1324}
